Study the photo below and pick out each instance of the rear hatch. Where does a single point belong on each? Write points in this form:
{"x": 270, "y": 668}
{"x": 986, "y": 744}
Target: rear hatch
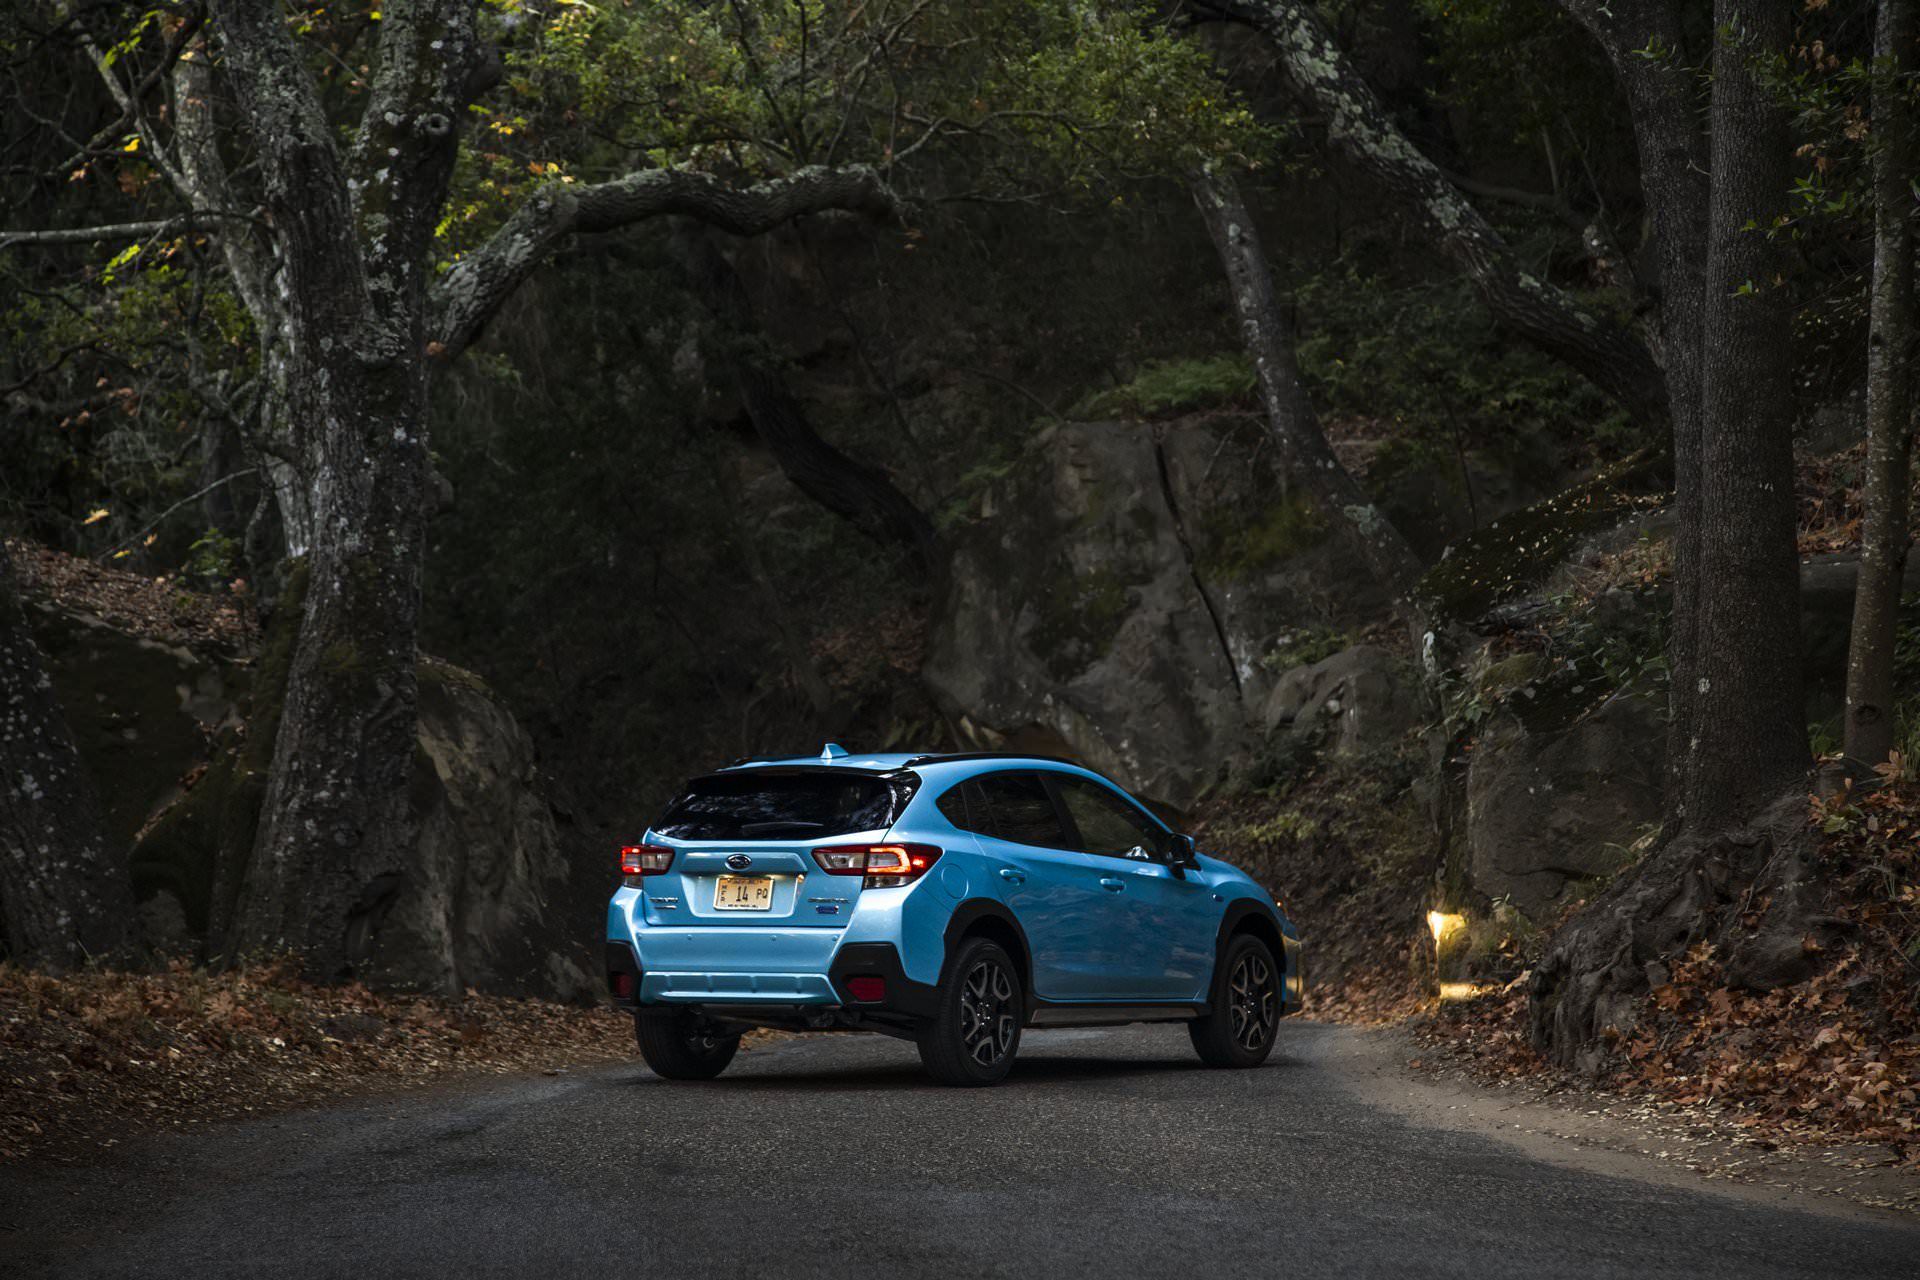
{"x": 743, "y": 844}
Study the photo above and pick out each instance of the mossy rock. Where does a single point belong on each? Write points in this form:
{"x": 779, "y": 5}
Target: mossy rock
{"x": 1237, "y": 545}
{"x": 1511, "y": 673}
{"x": 1081, "y": 616}
{"x": 140, "y": 709}
{"x": 1518, "y": 552}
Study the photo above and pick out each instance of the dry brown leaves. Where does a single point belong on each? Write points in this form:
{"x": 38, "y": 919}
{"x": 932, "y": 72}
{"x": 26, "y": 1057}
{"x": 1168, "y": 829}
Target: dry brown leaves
{"x": 1375, "y": 997}
{"x": 1835, "y": 1059}
{"x": 156, "y": 608}
{"x": 1828, "y": 494}
{"x": 87, "y": 1058}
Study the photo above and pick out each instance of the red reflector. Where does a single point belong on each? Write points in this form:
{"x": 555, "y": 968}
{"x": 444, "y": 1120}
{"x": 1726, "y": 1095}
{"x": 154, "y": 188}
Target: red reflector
{"x": 622, "y": 984}
{"x": 866, "y": 990}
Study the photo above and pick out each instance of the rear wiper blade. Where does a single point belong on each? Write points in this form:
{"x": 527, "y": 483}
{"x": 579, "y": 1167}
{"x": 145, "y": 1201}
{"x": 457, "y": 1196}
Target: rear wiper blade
{"x": 785, "y": 824}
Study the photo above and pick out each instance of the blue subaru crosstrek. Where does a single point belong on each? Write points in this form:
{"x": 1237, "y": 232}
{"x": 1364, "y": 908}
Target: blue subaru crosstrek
{"x": 946, "y": 899}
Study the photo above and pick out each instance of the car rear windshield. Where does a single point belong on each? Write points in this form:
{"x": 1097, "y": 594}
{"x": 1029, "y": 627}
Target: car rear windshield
{"x": 782, "y": 804}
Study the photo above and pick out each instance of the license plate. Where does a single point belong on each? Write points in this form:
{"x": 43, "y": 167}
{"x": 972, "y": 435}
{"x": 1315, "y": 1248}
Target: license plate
{"x": 743, "y": 893}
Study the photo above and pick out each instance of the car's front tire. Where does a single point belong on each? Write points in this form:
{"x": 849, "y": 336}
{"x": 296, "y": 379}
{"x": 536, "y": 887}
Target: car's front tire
{"x": 975, "y": 1029}
{"x": 682, "y": 1046}
{"x": 1245, "y": 1008}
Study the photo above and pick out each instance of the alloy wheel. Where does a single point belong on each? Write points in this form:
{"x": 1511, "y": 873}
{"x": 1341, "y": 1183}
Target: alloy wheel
{"x": 1253, "y": 1002}
{"x": 987, "y": 1022}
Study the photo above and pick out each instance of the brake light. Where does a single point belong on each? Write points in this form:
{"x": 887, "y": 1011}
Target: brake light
{"x": 881, "y": 866}
{"x": 644, "y": 860}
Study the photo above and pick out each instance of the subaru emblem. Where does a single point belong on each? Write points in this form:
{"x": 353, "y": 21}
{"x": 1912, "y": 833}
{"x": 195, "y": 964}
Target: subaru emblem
{"x": 739, "y": 862}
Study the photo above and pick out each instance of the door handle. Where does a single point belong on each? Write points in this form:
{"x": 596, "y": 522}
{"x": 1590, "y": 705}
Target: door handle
{"x": 1111, "y": 885}
{"x": 1013, "y": 877}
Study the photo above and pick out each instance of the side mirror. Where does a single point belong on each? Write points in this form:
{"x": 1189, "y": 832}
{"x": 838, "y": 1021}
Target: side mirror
{"x": 1183, "y": 854}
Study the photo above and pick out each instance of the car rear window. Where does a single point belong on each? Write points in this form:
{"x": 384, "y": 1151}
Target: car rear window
{"x": 777, "y": 804}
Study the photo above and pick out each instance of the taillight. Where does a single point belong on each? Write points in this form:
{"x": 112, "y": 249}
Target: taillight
{"x": 881, "y": 866}
{"x": 638, "y": 860}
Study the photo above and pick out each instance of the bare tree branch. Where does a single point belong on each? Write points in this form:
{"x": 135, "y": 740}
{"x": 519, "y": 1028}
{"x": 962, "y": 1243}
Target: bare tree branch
{"x": 1609, "y": 356}
{"x": 130, "y": 102}
{"x": 121, "y": 230}
{"x": 161, "y": 519}
{"x": 468, "y": 295}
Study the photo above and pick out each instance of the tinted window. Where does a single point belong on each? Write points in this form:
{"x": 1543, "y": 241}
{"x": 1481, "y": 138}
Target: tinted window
{"x": 965, "y": 808}
{"x": 1107, "y": 823}
{"x": 776, "y": 804}
{"x": 1021, "y": 809}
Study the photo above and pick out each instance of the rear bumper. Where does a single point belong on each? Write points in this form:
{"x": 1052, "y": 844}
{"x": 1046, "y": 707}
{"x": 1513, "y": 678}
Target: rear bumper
{"x": 773, "y": 997}
{"x": 800, "y": 971}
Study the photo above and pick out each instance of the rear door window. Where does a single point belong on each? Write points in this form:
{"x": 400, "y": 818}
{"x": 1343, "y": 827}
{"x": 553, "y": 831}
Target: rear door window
{"x": 1107, "y": 823}
{"x": 780, "y": 804}
{"x": 1021, "y": 810}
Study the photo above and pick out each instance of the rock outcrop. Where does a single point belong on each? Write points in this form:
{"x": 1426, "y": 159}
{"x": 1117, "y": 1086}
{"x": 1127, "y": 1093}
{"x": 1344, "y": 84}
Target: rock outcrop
{"x": 1361, "y": 700}
{"x": 142, "y": 709}
{"x": 1125, "y": 593}
{"x": 163, "y": 725}
{"x": 478, "y": 906}
{"x": 1549, "y": 811}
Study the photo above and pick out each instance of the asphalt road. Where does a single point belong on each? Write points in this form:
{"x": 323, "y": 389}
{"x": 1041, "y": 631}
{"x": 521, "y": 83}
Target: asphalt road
{"x": 1108, "y": 1153}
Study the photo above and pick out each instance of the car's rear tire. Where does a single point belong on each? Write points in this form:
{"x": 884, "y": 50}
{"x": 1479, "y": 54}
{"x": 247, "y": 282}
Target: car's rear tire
{"x": 979, "y": 1007}
{"x": 682, "y": 1046}
{"x": 1244, "y": 1009}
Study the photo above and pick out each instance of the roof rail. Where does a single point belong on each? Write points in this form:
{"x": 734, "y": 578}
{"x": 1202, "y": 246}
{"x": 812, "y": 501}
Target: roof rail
{"x": 945, "y": 757}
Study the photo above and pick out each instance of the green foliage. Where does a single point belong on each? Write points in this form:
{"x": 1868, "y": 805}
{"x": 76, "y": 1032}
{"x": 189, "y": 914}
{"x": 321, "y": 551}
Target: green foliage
{"x": 1164, "y": 388}
{"x": 1906, "y": 644}
{"x": 1281, "y": 763}
{"x": 1526, "y": 65}
{"x": 1285, "y": 824}
{"x": 1069, "y": 96}
{"x": 1582, "y": 650}
{"x": 1303, "y": 647}
{"x": 972, "y": 486}
{"x": 1236, "y": 547}
{"x": 213, "y": 558}
{"x": 107, "y": 358}
{"x": 1425, "y": 358}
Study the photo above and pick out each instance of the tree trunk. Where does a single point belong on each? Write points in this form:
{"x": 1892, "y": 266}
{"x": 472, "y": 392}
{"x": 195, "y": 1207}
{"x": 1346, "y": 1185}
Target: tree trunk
{"x": 337, "y": 829}
{"x": 1735, "y": 871}
{"x": 1587, "y": 342}
{"x": 856, "y": 491}
{"x": 1884, "y": 531}
{"x": 349, "y": 371}
{"x": 1747, "y": 743}
{"x": 1642, "y": 40}
{"x": 333, "y": 272}
{"x": 66, "y": 896}
{"x": 1305, "y": 458}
